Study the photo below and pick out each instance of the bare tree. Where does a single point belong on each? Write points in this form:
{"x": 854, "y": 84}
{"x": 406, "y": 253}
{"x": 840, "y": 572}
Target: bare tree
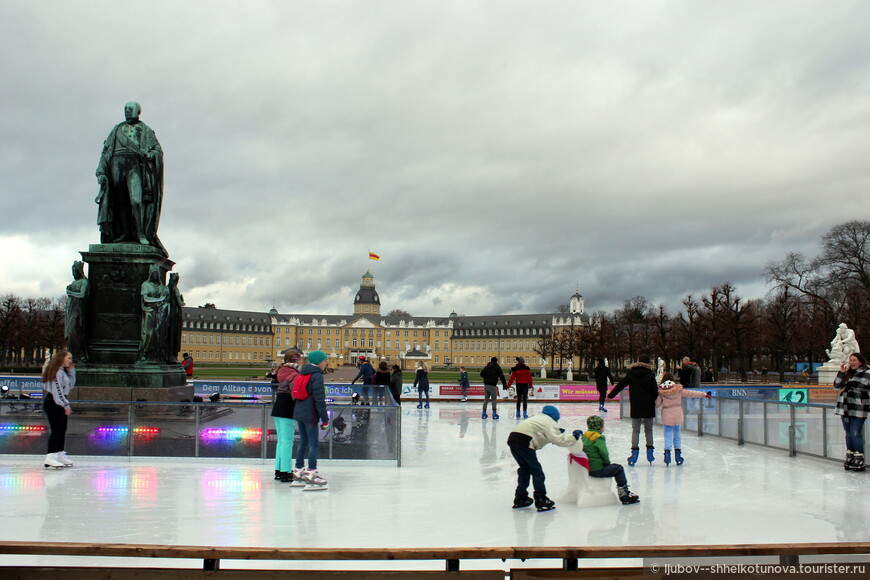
{"x": 397, "y": 313}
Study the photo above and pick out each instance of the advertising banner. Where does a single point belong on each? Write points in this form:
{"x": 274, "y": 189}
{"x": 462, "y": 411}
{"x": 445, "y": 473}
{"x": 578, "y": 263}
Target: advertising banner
{"x": 578, "y": 393}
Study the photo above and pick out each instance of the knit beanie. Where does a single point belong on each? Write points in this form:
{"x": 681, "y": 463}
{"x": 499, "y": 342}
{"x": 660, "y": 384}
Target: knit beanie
{"x": 595, "y": 423}
{"x": 316, "y": 357}
{"x": 552, "y": 412}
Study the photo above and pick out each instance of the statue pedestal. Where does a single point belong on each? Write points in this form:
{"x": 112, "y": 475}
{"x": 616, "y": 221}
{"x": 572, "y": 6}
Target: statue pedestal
{"x": 113, "y": 323}
{"x": 827, "y": 373}
{"x": 570, "y": 375}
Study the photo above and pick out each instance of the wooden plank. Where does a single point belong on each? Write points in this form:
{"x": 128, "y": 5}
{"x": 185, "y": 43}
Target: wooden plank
{"x": 115, "y": 573}
{"x": 478, "y": 553}
{"x": 583, "y": 574}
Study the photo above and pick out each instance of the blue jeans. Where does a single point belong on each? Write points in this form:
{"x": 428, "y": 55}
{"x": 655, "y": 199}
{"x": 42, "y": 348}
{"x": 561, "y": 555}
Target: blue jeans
{"x": 309, "y": 440}
{"x": 673, "y": 439}
{"x": 529, "y": 468}
{"x": 613, "y": 470}
{"x": 854, "y": 427}
{"x": 285, "y": 429}
{"x": 420, "y": 395}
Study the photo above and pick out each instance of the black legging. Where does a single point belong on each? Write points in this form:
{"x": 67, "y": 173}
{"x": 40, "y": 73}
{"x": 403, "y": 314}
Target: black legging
{"x": 602, "y": 393}
{"x": 522, "y": 396}
{"x": 57, "y": 420}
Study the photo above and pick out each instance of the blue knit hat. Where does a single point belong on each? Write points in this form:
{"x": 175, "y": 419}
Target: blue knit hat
{"x": 316, "y": 357}
{"x": 552, "y": 412}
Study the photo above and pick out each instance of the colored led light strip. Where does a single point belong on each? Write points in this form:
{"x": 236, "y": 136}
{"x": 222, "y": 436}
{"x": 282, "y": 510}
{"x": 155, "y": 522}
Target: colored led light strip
{"x": 20, "y": 428}
{"x": 124, "y": 430}
{"x": 232, "y": 433}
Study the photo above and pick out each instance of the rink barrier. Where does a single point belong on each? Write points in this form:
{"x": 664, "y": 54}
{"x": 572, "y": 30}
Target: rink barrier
{"x": 799, "y": 428}
{"x": 788, "y": 554}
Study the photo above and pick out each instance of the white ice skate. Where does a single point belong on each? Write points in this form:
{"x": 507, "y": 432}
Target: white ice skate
{"x": 315, "y": 482}
{"x": 61, "y": 456}
{"x": 300, "y": 477}
{"x": 51, "y": 460}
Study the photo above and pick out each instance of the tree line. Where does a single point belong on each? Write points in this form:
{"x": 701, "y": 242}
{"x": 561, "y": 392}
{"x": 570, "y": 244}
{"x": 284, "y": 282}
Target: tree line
{"x": 795, "y": 322}
{"x": 29, "y": 328}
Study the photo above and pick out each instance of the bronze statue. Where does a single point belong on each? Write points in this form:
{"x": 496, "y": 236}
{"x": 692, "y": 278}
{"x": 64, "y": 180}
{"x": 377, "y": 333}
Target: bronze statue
{"x": 176, "y": 301}
{"x": 155, "y": 315}
{"x": 130, "y": 174}
{"x": 74, "y": 319}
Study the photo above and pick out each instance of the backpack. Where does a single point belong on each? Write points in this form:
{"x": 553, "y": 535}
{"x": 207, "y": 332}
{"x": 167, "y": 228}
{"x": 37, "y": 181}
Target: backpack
{"x": 300, "y": 388}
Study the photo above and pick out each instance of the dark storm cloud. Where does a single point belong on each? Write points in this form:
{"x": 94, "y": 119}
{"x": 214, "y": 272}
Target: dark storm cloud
{"x": 497, "y": 155}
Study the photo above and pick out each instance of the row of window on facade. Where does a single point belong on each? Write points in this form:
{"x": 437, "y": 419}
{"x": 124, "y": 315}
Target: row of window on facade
{"x": 499, "y": 332}
{"x": 203, "y": 355}
{"x": 225, "y": 326}
{"x": 236, "y": 340}
{"x": 360, "y": 331}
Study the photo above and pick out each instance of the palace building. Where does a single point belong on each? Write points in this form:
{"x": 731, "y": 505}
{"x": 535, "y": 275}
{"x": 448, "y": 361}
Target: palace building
{"x": 215, "y": 335}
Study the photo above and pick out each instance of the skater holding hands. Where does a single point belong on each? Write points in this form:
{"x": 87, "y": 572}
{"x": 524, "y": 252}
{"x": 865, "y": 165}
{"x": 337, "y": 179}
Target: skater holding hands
{"x": 525, "y": 440}
{"x": 670, "y": 401}
{"x": 595, "y": 448}
{"x": 310, "y": 413}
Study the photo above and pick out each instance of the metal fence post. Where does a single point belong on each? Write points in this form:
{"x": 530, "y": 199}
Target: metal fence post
{"x": 197, "y": 407}
{"x": 792, "y": 447}
{"x": 740, "y": 440}
{"x": 701, "y": 418}
{"x": 264, "y": 437}
{"x": 130, "y": 429}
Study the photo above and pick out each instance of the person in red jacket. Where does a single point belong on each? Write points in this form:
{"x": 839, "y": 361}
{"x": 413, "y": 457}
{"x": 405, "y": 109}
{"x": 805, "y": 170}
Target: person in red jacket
{"x": 523, "y": 377}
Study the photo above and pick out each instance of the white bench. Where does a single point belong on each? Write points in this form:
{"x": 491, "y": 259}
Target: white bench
{"x": 583, "y": 490}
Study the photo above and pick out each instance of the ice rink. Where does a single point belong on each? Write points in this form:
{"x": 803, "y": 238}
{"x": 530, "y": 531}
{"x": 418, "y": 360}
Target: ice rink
{"x": 454, "y": 489}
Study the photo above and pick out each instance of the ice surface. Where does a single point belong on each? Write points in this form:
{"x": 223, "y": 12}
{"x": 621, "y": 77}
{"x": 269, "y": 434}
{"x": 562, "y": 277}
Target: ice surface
{"x": 455, "y": 489}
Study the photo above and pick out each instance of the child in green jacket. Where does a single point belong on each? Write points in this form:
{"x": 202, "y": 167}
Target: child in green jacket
{"x": 595, "y": 447}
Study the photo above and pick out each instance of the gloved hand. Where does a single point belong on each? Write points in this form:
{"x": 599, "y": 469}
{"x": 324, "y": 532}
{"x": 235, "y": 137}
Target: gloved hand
{"x": 578, "y": 433}
{"x": 708, "y": 396}
{"x": 561, "y": 430}
{"x": 324, "y": 426}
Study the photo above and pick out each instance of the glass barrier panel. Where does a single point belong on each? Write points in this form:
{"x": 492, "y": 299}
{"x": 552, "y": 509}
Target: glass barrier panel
{"x": 729, "y": 413}
{"x": 778, "y": 422}
{"x": 23, "y": 427}
{"x": 165, "y": 430}
{"x": 98, "y": 428}
{"x": 753, "y": 422}
{"x": 808, "y": 430}
{"x": 233, "y": 430}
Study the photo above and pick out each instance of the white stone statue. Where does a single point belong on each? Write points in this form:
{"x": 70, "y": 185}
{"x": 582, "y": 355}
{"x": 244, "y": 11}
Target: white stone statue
{"x": 660, "y": 370}
{"x": 843, "y": 345}
{"x": 543, "y": 368}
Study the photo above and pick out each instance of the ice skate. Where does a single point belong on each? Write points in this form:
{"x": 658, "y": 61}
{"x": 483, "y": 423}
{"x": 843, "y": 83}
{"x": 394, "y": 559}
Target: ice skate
{"x": 420, "y": 406}
{"x": 52, "y": 461}
{"x": 285, "y": 477}
{"x": 668, "y": 457}
{"x": 602, "y": 409}
{"x": 525, "y": 415}
{"x": 544, "y": 504}
{"x": 463, "y": 399}
{"x": 61, "y": 456}
{"x": 850, "y": 458}
{"x": 483, "y": 415}
{"x": 858, "y": 462}
{"x": 315, "y": 482}
{"x": 299, "y": 477}
{"x": 494, "y": 415}
{"x": 625, "y": 496}
{"x": 678, "y": 458}
{"x": 277, "y": 475}
{"x": 518, "y": 414}
{"x": 650, "y": 454}
{"x": 522, "y": 502}
{"x": 634, "y": 453}
{"x": 426, "y": 405}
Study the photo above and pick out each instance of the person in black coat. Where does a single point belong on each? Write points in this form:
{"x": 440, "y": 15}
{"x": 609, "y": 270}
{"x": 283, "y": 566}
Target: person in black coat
{"x": 641, "y": 381}
{"x": 602, "y": 377}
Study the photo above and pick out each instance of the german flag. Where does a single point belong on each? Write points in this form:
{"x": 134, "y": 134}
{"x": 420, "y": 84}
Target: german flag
{"x": 373, "y": 256}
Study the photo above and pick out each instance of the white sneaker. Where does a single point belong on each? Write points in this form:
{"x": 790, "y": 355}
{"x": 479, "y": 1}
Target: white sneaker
{"x": 61, "y": 456}
{"x": 51, "y": 460}
{"x": 315, "y": 482}
{"x": 300, "y": 477}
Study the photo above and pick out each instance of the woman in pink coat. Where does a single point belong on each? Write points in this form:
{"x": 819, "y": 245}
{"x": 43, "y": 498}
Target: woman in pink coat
{"x": 670, "y": 400}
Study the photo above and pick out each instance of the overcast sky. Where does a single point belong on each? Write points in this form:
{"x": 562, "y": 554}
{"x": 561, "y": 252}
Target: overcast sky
{"x": 495, "y": 154}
